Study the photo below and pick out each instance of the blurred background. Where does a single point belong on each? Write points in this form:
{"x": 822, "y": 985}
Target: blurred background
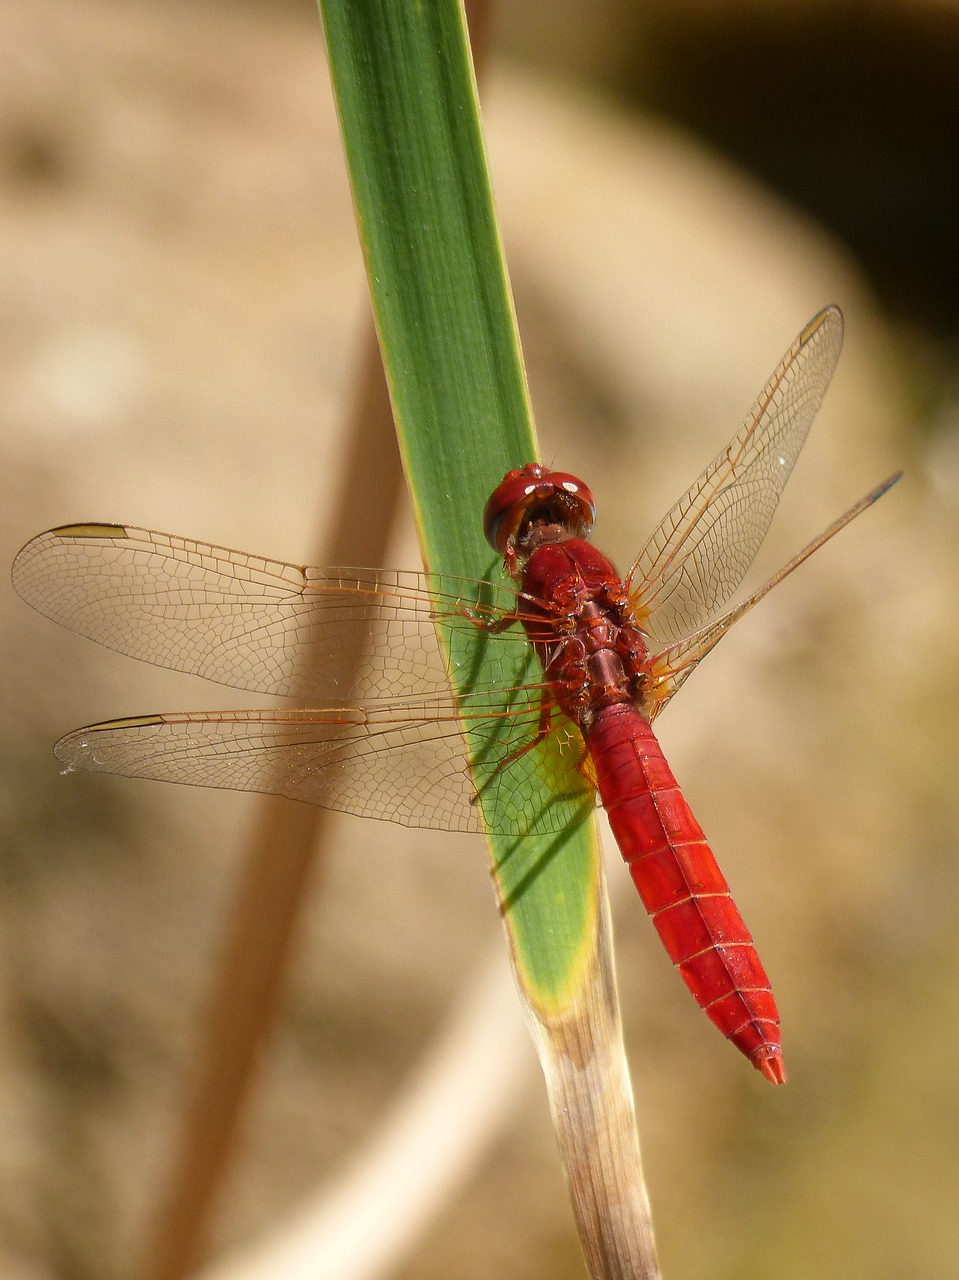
{"x": 182, "y": 304}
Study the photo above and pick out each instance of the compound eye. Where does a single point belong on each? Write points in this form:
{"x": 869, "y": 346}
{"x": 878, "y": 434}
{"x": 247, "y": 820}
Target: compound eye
{"x": 577, "y": 501}
{"x": 504, "y": 509}
{"x": 536, "y": 492}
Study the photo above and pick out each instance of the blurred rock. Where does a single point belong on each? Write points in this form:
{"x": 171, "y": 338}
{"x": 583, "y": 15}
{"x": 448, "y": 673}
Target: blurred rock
{"x": 181, "y": 300}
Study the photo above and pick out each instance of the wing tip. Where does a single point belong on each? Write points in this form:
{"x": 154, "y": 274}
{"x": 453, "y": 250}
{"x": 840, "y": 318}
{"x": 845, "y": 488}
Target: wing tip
{"x": 65, "y": 748}
{"x": 829, "y": 315}
{"x": 92, "y": 530}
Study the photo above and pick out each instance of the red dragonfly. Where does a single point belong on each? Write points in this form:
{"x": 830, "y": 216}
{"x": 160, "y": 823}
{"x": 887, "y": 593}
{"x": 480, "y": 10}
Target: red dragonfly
{"x": 598, "y": 658}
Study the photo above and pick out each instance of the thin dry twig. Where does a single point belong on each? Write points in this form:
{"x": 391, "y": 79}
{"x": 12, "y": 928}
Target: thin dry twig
{"x": 421, "y": 1153}
{"x": 276, "y": 868}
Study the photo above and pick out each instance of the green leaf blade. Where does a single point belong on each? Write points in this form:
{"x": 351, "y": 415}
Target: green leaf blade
{"x": 443, "y": 309}
{"x": 444, "y": 313}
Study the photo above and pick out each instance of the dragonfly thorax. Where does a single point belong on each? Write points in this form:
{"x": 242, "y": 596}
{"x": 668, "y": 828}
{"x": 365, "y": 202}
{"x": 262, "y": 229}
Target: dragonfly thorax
{"x": 577, "y": 615}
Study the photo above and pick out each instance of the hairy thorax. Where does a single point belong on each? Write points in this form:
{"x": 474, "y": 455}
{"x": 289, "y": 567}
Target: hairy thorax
{"x": 577, "y": 615}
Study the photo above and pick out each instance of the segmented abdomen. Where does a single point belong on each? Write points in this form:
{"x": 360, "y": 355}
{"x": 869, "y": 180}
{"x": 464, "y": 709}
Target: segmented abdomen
{"x": 681, "y": 886}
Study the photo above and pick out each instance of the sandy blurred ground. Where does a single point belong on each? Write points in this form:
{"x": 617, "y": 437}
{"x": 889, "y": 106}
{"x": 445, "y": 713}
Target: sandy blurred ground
{"x": 181, "y": 303}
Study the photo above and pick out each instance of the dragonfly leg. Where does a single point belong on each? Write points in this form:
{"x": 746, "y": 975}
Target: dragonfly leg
{"x": 542, "y": 732}
{"x": 491, "y": 626}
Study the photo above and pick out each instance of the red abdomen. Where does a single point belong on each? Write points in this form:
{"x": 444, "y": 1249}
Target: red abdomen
{"x": 681, "y": 886}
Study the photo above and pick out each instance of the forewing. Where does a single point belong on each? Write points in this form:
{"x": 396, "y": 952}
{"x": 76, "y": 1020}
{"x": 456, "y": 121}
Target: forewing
{"x": 258, "y": 624}
{"x": 349, "y": 637}
{"x": 402, "y": 763}
{"x": 699, "y": 555}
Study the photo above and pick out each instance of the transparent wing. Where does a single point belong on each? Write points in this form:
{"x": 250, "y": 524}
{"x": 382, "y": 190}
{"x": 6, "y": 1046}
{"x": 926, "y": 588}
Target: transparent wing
{"x": 257, "y": 624}
{"x": 278, "y": 628}
{"x": 699, "y": 555}
{"x": 669, "y": 669}
{"x": 405, "y": 763}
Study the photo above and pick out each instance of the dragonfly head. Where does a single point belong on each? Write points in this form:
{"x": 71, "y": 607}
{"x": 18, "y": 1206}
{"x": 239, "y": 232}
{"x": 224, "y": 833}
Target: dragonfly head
{"x": 533, "y": 505}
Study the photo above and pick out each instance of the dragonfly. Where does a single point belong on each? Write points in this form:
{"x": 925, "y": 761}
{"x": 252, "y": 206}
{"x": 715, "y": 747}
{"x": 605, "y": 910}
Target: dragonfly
{"x": 563, "y": 659}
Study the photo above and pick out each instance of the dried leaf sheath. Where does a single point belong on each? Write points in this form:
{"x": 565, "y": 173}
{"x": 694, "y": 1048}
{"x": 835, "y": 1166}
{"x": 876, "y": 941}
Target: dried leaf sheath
{"x": 583, "y": 1060}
